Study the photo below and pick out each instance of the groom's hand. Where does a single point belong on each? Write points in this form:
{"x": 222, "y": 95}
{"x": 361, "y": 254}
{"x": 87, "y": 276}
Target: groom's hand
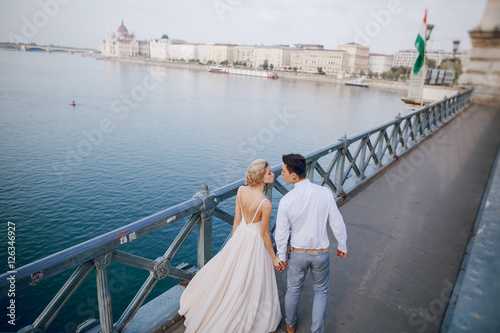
{"x": 283, "y": 266}
{"x": 341, "y": 254}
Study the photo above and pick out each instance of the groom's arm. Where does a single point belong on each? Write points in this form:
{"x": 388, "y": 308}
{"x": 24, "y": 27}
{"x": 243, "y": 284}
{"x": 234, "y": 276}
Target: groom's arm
{"x": 338, "y": 226}
{"x": 282, "y": 233}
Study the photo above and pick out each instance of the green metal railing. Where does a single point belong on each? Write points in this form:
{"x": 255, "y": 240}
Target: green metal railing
{"x": 351, "y": 162}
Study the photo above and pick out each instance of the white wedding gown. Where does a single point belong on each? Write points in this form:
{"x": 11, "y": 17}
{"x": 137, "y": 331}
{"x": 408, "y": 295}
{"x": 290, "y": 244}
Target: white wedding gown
{"x": 236, "y": 290}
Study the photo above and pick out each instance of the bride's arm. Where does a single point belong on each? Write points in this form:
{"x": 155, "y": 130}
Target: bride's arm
{"x": 266, "y": 218}
{"x": 237, "y": 212}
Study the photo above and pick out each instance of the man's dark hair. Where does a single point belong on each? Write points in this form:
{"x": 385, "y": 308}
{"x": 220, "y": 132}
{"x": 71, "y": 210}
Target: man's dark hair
{"x": 295, "y": 163}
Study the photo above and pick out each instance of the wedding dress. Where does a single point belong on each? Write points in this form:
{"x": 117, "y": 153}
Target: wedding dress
{"x": 236, "y": 290}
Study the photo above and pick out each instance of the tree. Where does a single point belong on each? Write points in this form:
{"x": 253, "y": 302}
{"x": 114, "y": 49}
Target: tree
{"x": 271, "y": 66}
{"x": 445, "y": 64}
{"x": 370, "y": 74}
{"x": 362, "y": 73}
{"x": 224, "y": 63}
{"x": 375, "y": 75}
{"x": 295, "y": 69}
{"x": 431, "y": 63}
{"x": 320, "y": 71}
{"x": 265, "y": 65}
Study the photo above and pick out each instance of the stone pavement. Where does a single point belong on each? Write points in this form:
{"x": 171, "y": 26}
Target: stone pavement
{"x": 474, "y": 304}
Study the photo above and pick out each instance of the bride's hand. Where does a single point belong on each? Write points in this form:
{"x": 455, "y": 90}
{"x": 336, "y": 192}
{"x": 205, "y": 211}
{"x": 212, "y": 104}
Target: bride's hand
{"x": 277, "y": 263}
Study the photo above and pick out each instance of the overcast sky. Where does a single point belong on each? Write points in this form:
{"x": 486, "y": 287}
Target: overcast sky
{"x": 386, "y": 26}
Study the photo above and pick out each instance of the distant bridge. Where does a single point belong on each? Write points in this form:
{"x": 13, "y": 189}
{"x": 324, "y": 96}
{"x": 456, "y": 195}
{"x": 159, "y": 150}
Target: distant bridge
{"x": 24, "y": 47}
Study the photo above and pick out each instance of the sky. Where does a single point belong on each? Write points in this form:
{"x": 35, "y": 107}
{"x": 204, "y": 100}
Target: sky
{"x": 385, "y": 26}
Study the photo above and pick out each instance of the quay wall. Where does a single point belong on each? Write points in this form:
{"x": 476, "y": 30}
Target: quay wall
{"x": 286, "y": 75}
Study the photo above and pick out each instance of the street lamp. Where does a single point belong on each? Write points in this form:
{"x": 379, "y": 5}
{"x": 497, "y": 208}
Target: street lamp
{"x": 452, "y": 63}
{"x": 455, "y": 47}
{"x": 428, "y": 31}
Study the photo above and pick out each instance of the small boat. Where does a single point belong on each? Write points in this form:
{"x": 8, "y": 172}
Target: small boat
{"x": 219, "y": 70}
{"x": 357, "y": 83}
{"x": 244, "y": 71}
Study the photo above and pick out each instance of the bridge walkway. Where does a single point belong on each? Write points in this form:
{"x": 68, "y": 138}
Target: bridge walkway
{"x": 407, "y": 233}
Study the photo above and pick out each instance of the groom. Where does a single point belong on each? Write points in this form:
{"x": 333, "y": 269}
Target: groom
{"x": 307, "y": 209}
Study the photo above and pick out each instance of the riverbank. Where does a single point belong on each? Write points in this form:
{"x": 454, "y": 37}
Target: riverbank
{"x": 286, "y": 75}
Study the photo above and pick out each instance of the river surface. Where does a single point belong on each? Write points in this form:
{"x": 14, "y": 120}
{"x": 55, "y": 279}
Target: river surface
{"x": 139, "y": 140}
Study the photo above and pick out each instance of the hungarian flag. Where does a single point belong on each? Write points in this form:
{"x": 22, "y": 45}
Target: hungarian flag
{"x": 420, "y": 45}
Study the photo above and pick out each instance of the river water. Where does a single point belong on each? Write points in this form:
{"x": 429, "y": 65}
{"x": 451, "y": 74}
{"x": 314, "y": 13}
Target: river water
{"x": 140, "y": 139}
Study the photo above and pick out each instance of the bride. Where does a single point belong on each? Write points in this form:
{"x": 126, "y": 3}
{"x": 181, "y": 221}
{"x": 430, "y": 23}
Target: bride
{"x": 236, "y": 290}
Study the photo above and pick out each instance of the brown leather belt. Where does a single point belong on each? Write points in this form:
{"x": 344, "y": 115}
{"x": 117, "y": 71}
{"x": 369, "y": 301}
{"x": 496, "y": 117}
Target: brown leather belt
{"x": 314, "y": 251}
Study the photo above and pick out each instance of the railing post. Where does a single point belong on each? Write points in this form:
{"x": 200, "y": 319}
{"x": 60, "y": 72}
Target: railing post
{"x": 362, "y": 158}
{"x": 268, "y": 191}
{"x": 442, "y": 113}
{"x": 205, "y": 225}
{"x": 425, "y": 120}
{"x": 380, "y": 148}
{"x": 395, "y": 133}
{"x": 310, "y": 170}
{"x": 103, "y": 294}
{"x": 339, "y": 172}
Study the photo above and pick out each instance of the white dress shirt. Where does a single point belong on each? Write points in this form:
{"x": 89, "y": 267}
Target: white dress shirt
{"x": 307, "y": 208}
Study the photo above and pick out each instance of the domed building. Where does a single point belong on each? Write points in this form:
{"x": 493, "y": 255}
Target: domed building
{"x": 123, "y": 32}
{"x": 123, "y": 44}
{"x": 159, "y": 47}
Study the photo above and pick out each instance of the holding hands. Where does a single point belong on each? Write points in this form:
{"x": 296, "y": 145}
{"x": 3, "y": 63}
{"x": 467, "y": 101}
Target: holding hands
{"x": 278, "y": 264}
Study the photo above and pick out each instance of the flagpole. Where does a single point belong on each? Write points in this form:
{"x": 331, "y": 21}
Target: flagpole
{"x": 428, "y": 31}
{"x": 423, "y": 79}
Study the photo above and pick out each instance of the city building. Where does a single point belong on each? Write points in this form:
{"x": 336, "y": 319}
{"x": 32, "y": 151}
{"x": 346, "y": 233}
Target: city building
{"x": 330, "y": 61}
{"x": 380, "y": 63}
{"x": 358, "y": 57}
{"x": 217, "y": 53}
{"x": 309, "y": 46}
{"x": 406, "y": 58}
{"x": 159, "y": 48}
{"x": 182, "y": 51}
{"x": 205, "y": 53}
{"x": 277, "y": 56}
{"x": 439, "y": 56}
{"x": 243, "y": 54}
{"x": 123, "y": 44}
{"x": 222, "y": 53}
{"x": 144, "y": 49}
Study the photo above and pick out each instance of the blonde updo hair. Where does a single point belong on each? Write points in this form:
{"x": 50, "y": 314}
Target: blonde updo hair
{"x": 255, "y": 172}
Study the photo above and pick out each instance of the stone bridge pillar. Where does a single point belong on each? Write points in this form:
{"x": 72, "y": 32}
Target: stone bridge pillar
{"x": 482, "y": 70}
